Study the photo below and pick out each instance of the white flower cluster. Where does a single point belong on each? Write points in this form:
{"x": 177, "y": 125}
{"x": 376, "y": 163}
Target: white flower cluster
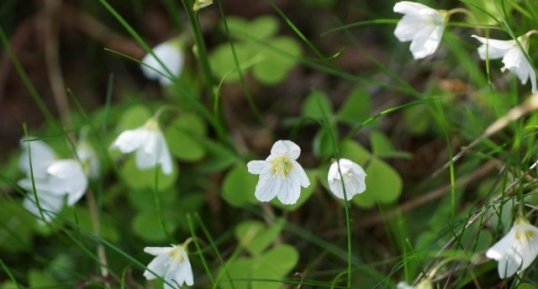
{"x": 424, "y": 27}
{"x": 282, "y": 176}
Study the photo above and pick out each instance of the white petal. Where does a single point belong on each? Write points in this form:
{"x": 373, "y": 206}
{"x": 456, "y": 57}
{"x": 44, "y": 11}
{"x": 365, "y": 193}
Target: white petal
{"x": 267, "y": 188}
{"x": 290, "y": 191}
{"x": 353, "y": 176}
{"x": 258, "y": 167}
{"x": 42, "y": 156}
{"x": 170, "y": 55}
{"x": 299, "y": 173}
{"x": 408, "y": 7}
{"x": 50, "y": 205}
{"x": 287, "y": 148}
{"x": 155, "y": 251}
{"x": 130, "y": 140}
{"x": 87, "y": 155}
{"x": 426, "y": 41}
{"x": 500, "y": 248}
{"x": 403, "y": 285}
{"x": 67, "y": 177}
{"x": 495, "y": 48}
{"x": 153, "y": 151}
{"x": 165, "y": 159}
{"x": 407, "y": 27}
{"x": 157, "y": 266}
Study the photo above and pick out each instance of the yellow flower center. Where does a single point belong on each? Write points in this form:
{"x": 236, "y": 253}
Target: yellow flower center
{"x": 281, "y": 166}
{"x": 527, "y": 235}
{"x": 176, "y": 255}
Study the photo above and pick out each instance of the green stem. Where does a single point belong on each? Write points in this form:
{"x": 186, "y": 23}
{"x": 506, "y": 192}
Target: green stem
{"x": 200, "y": 45}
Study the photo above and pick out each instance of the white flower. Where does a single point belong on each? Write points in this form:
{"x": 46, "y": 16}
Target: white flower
{"x": 424, "y": 284}
{"x": 149, "y": 144}
{"x": 403, "y": 285}
{"x": 517, "y": 250}
{"x": 200, "y": 4}
{"x": 41, "y": 156}
{"x": 421, "y": 25}
{"x": 170, "y": 263}
{"x": 512, "y": 56}
{"x": 50, "y": 204}
{"x": 280, "y": 174}
{"x": 64, "y": 177}
{"x": 353, "y": 175}
{"x": 53, "y": 180}
{"x": 170, "y": 54}
{"x": 87, "y": 156}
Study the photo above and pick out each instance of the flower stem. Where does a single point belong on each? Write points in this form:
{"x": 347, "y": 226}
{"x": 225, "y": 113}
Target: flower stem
{"x": 96, "y": 226}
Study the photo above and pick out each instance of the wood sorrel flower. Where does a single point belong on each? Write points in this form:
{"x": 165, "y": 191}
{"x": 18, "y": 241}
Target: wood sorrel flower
{"x": 53, "y": 180}
{"x": 150, "y": 146}
{"x": 517, "y": 250}
{"x": 170, "y": 54}
{"x": 421, "y": 25}
{"x": 170, "y": 263}
{"x": 353, "y": 178}
{"x": 280, "y": 174}
{"x": 513, "y": 56}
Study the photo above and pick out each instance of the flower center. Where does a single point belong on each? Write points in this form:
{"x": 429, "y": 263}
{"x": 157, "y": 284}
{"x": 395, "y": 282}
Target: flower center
{"x": 281, "y": 166}
{"x": 527, "y": 235}
{"x": 176, "y": 255}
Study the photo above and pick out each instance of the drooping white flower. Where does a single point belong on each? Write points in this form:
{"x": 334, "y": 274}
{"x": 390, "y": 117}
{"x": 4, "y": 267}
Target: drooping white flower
{"x": 353, "y": 179}
{"x": 421, "y": 25}
{"x": 280, "y": 174}
{"x": 64, "y": 177}
{"x": 53, "y": 180}
{"x": 171, "y": 55}
{"x": 200, "y": 4}
{"x": 517, "y": 250}
{"x": 150, "y": 146}
{"x": 170, "y": 263}
{"x": 513, "y": 57}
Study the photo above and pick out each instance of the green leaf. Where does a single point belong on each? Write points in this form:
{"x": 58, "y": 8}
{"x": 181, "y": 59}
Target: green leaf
{"x": 262, "y": 27}
{"x": 134, "y": 117}
{"x": 138, "y": 179}
{"x": 357, "y": 107}
{"x": 526, "y": 286}
{"x": 16, "y": 228}
{"x": 239, "y": 272}
{"x": 146, "y": 225}
{"x": 182, "y": 137}
{"x": 255, "y": 237}
{"x": 223, "y": 63}
{"x": 38, "y": 279}
{"x": 219, "y": 156}
{"x": 239, "y": 186}
{"x": 317, "y": 106}
{"x": 273, "y": 265}
{"x": 285, "y": 256}
{"x": 277, "y": 61}
{"x": 383, "y": 148}
{"x": 145, "y": 199}
{"x": 322, "y": 145}
{"x": 383, "y": 183}
{"x": 83, "y": 217}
